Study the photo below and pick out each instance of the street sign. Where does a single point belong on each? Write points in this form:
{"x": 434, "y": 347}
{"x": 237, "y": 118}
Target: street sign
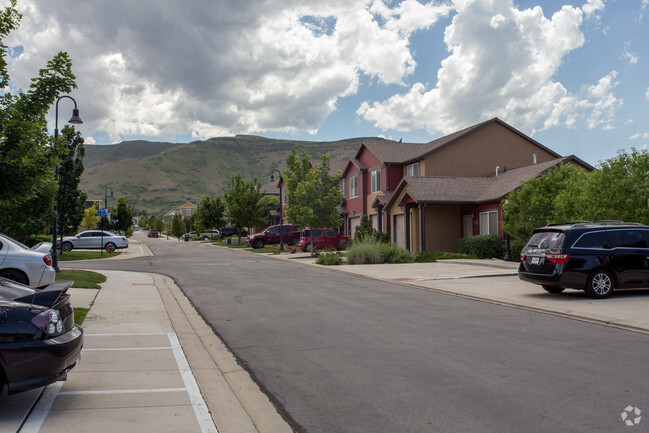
{"x": 103, "y": 213}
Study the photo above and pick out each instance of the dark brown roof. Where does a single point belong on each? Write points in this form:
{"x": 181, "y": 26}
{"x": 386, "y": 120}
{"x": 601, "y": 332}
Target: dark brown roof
{"x": 393, "y": 152}
{"x": 472, "y": 190}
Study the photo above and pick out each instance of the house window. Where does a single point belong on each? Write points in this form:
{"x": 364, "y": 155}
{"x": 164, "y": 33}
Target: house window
{"x": 353, "y": 187}
{"x": 376, "y": 181}
{"x": 412, "y": 169}
{"x": 188, "y": 212}
{"x": 342, "y": 187}
{"x": 489, "y": 222}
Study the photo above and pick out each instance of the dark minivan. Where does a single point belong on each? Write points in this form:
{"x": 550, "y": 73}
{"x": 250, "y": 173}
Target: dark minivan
{"x": 597, "y": 257}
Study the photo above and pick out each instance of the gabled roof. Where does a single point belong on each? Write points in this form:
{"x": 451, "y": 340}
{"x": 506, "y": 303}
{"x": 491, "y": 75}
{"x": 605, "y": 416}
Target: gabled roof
{"x": 391, "y": 152}
{"x": 471, "y": 190}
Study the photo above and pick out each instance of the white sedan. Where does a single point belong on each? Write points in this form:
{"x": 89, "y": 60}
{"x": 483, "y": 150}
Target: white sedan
{"x": 94, "y": 239}
{"x": 26, "y": 266}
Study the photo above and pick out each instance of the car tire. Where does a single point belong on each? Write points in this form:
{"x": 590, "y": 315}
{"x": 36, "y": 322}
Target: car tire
{"x": 15, "y": 275}
{"x": 67, "y": 246}
{"x": 553, "y": 289}
{"x": 258, "y": 243}
{"x": 600, "y": 284}
{"x": 306, "y": 248}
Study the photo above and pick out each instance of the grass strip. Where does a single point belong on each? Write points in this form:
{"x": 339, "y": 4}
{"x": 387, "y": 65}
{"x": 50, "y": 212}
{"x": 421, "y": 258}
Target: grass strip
{"x": 80, "y": 315}
{"x": 85, "y": 255}
{"x": 82, "y": 279}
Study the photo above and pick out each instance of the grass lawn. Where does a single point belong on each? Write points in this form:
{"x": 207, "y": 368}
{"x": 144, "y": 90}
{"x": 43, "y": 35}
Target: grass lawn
{"x": 80, "y": 314}
{"x": 85, "y": 255}
{"x": 82, "y": 279}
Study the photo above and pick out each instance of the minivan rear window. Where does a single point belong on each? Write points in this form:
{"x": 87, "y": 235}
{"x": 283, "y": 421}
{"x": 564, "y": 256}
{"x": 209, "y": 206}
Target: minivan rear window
{"x": 545, "y": 241}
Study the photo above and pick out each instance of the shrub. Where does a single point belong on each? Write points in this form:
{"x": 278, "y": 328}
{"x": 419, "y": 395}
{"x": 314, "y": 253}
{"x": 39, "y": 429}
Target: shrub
{"x": 329, "y": 259}
{"x": 366, "y": 231}
{"x": 482, "y": 246}
{"x": 373, "y": 251}
{"x": 35, "y": 239}
{"x": 516, "y": 247}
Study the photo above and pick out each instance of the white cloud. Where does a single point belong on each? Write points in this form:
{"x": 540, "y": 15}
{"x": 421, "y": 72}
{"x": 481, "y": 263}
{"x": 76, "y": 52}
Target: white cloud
{"x": 503, "y": 63}
{"x": 631, "y": 57}
{"x": 592, "y": 7}
{"x": 166, "y": 68}
{"x": 647, "y": 92}
{"x": 639, "y": 135}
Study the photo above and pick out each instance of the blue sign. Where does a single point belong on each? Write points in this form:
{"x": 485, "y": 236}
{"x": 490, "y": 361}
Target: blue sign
{"x": 103, "y": 213}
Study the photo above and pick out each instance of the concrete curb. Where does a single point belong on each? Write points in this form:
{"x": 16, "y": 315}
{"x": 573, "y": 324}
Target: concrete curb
{"x": 234, "y": 399}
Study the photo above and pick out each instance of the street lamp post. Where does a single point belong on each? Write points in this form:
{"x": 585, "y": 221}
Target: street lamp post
{"x": 105, "y": 218}
{"x": 281, "y": 213}
{"x": 76, "y": 120}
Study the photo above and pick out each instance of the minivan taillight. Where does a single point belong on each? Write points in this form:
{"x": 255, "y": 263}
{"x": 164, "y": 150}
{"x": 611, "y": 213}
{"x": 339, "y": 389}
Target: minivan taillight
{"x": 557, "y": 258}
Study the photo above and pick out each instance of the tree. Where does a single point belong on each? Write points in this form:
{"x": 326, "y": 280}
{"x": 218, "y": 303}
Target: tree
{"x": 90, "y": 221}
{"x": 177, "y": 226}
{"x": 534, "y": 203}
{"x": 296, "y": 172}
{"x": 242, "y": 200}
{"x": 124, "y": 217}
{"x": 315, "y": 199}
{"x": 269, "y": 203}
{"x": 71, "y": 200}
{"x": 28, "y": 155}
{"x": 143, "y": 222}
{"x": 210, "y": 214}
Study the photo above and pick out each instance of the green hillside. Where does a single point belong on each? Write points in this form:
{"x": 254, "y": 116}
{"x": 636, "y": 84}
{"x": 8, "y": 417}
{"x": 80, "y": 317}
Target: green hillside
{"x": 157, "y": 177}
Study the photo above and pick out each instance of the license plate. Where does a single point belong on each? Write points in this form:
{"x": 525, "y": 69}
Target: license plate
{"x": 535, "y": 260}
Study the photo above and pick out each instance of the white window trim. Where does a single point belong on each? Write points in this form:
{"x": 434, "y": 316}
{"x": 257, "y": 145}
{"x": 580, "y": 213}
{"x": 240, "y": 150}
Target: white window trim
{"x": 488, "y": 228}
{"x": 375, "y": 177}
{"x": 343, "y": 187}
{"x": 353, "y": 181}
{"x": 411, "y": 166}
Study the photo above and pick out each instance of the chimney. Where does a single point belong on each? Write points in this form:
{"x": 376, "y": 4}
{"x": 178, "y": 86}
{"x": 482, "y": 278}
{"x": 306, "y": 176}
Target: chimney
{"x": 534, "y": 155}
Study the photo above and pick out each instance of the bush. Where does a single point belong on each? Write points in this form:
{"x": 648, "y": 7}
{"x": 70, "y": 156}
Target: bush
{"x": 373, "y": 251}
{"x": 329, "y": 259}
{"x": 36, "y": 239}
{"x": 516, "y": 247}
{"x": 482, "y": 246}
{"x": 366, "y": 231}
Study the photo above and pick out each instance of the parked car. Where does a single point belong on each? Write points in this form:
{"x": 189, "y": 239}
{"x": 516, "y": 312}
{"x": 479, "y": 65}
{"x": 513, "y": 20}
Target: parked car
{"x": 321, "y": 239}
{"x": 20, "y": 263}
{"x": 271, "y": 235}
{"x": 39, "y": 342}
{"x": 92, "y": 239}
{"x": 153, "y": 234}
{"x": 43, "y": 247}
{"x": 207, "y": 236}
{"x": 597, "y": 257}
{"x": 190, "y": 235}
{"x": 232, "y": 231}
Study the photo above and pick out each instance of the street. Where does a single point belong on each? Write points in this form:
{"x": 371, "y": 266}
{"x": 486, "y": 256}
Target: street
{"x": 343, "y": 353}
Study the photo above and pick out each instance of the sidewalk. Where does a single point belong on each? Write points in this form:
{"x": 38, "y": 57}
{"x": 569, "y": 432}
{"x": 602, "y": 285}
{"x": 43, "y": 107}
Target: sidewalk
{"x": 151, "y": 364}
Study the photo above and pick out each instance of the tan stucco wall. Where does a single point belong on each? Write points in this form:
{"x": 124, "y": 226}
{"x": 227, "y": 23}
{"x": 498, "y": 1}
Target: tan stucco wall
{"x": 443, "y": 228}
{"x": 481, "y": 152}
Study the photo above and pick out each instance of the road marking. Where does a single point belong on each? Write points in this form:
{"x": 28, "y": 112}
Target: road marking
{"x": 34, "y": 422}
{"x": 122, "y": 391}
{"x": 198, "y": 403}
{"x": 128, "y": 348}
{"x": 131, "y": 334}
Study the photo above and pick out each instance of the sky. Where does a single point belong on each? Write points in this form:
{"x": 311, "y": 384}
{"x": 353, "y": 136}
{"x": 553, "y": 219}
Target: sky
{"x": 572, "y": 75}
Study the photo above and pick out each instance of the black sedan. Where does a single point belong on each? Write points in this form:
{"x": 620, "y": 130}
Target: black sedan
{"x": 39, "y": 342}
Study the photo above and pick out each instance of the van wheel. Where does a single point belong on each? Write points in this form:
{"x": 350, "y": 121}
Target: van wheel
{"x": 553, "y": 289}
{"x": 600, "y": 285}
{"x": 259, "y": 243}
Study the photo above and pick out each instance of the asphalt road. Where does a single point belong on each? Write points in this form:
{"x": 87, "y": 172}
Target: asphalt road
{"x": 340, "y": 353}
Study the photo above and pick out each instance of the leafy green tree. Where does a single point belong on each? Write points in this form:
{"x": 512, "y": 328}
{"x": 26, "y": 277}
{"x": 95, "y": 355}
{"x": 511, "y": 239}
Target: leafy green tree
{"x": 296, "y": 172}
{"x": 534, "y": 203}
{"x": 268, "y": 203}
{"x": 177, "y": 226}
{"x": 315, "y": 199}
{"x": 156, "y": 223}
{"x": 210, "y": 214}
{"x": 71, "y": 200}
{"x": 143, "y": 221}
{"x": 124, "y": 216}
{"x": 90, "y": 221}
{"x": 28, "y": 155}
{"x": 242, "y": 200}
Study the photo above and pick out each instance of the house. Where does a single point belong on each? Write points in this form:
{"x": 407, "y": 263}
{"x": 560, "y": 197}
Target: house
{"x": 187, "y": 210}
{"x": 428, "y": 196}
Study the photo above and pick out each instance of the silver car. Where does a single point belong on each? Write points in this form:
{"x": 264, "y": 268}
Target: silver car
{"x": 93, "y": 239}
{"x": 19, "y": 263}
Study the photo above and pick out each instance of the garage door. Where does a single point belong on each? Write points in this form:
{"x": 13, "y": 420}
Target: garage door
{"x": 375, "y": 221}
{"x": 400, "y": 230}
{"x": 353, "y": 223}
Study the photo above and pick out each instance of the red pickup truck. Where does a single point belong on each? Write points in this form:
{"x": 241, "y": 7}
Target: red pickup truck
{"x": 290, "y": 235}
{"x": 322, "y": 239}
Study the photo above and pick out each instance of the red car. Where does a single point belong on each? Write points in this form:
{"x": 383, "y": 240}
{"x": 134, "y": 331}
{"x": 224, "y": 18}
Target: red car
{"x": 290, "y": 235}
{"x": 153, "y": 233}
{"x": 322, "y": 239}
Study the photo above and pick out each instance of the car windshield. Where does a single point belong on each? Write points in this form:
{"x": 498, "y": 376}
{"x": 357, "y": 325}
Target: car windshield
{"x": 13, "y": 241}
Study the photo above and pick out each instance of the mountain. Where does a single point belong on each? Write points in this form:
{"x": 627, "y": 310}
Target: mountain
{"x": 157, "y": 176}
